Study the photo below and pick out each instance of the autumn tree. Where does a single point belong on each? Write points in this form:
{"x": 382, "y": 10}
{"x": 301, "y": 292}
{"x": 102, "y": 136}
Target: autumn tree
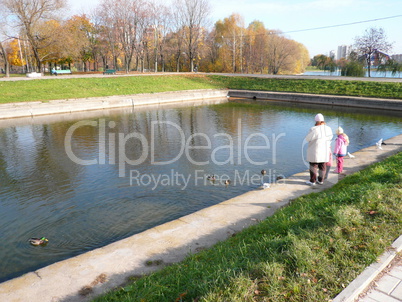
{"x": 174, "y": 50}
{"x": 76, "y": 40}
{"x": 99, "y": 43}
{"x": 3, "y": 43}
{"x": 285, "y": 55}
{"x": 4, "y": 52}
{"x": 319, "y": 61}
{"x": 176, "y": 38}
{"x": 125, "y": 21}
{"x": 213, "y": 61}
{"x": 14, "y": 56}
{"x": 144, "y": 34}
{"x": 324, "y": 62}
{"x": 30, "y": 14}
{"x": 255, "y": 47}
{"x": 53, "y": 46}
{"x": 161, "y": 24}
{"x": 230, "y": 34}
{"x": 374, "y": 40}
{"x": 222, "y": 50}
{"x": 192, "y": 16}
{"x": 104, "y": 22}
{"x": 300, "y": 59}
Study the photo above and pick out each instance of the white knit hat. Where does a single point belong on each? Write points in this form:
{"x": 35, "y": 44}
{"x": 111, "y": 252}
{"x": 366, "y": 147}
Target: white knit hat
{"x": 319, "y": 117}
{"x": 339, "y": 130}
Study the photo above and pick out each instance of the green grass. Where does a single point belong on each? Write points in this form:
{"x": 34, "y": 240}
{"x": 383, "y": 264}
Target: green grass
{"x": 313, "y": 68}
{"x": 66, "y": 88}
{"x": 333, "y": 87}
{"x": 307, "y": 251}
{"x": 13, "y": 75}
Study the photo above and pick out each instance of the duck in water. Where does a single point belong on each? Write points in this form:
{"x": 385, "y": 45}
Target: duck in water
{"x": 211, "y": 177}
{"x": 38, "y": 241}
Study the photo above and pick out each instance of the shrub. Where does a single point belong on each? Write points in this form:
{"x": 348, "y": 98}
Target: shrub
{"x": 353, "y": 69}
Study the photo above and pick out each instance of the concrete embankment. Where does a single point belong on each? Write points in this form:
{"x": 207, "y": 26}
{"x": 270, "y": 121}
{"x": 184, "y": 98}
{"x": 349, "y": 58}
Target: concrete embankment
{"x": 33, "y": 109}
{"x": 334, "y": 100}
{"x": 85, "y": 276}
{"x": 30, "y": 109}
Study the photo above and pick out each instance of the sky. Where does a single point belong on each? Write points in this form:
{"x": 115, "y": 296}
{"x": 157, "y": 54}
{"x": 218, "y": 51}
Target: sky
{"x": 290, "y": 16}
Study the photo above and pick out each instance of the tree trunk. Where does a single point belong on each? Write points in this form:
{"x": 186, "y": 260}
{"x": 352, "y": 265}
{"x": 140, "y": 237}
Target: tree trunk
{"x": 178, "y": 63}
{"x": 115, "y": 62}
{"x": 6, "y": 62}
{"x": 163, "y": 63}
{"x": 37, "y": 59}
{"x": 104, "y": 61}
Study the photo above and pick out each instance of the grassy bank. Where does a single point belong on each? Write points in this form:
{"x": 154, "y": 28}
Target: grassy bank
{"x": 307, "y": 251}
{"x": 65, "y": 88}
{"x": 334, "y": 87}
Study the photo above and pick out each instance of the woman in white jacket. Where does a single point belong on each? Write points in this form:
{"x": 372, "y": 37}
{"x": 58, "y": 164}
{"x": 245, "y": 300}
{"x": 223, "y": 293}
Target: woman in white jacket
{"x": 319, "y": 139}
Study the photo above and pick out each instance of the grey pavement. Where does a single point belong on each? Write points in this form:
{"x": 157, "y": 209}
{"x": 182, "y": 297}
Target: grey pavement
{"x": 379, "y": 282}
{"x": 89, "y": 75}
{"x": 270, "y": 76}
{"x": 387, "y": 286}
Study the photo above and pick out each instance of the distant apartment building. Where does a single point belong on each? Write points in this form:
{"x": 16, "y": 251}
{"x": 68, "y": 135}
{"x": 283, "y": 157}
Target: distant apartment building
{"x": 343, "y": 52}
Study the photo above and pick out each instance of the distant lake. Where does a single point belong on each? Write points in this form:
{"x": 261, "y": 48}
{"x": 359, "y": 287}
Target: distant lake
{"x": 64, "y": 176}
{"x": 373, "y": 73}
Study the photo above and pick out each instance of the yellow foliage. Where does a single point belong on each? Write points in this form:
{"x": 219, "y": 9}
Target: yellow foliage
{"x": 255, "y": 49}
{"x": 14, "y": 57}
{"x": 119, "y": 62}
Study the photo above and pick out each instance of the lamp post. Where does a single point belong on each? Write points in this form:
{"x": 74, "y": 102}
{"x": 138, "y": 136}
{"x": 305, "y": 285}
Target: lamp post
{"x": 155, "y": 27}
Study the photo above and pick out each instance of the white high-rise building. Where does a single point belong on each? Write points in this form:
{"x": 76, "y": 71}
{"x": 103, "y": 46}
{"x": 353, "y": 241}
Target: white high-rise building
{"x": 343, "y": 52}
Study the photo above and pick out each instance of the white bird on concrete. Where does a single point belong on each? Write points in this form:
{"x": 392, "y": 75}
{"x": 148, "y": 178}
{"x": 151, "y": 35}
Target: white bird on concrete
{"x": 379, "y": 143}
{"x": 266, "y": 185}
{"x": 351, "y": 155}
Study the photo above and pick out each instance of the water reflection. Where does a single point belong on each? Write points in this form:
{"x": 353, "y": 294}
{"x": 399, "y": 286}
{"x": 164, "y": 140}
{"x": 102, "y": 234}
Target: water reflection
{"x": 373, "y": 73}
{"x": 81, "y": 207}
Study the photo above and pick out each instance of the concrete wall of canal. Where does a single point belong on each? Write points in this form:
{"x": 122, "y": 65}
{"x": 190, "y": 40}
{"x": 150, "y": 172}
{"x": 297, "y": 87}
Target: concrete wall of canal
{"x": 31, "y": 109}
{"x": 333, "y": 100}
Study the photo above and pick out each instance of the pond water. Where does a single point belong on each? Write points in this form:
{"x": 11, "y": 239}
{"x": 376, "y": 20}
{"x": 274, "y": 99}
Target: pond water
{"x": 87, "y": 180}
{"x": 373, "y": 73}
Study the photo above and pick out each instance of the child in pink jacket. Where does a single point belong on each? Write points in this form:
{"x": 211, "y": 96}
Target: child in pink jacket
{"x": 340, "y": 151}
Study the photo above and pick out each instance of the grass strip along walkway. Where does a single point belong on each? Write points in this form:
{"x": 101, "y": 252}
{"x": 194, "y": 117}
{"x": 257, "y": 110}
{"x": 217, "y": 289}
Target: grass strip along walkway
{"x": 314, "y": 86}
{"x": 67, "y": 88}
{"x": 307, "y": 251}
{"x": 74, "y": 88}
